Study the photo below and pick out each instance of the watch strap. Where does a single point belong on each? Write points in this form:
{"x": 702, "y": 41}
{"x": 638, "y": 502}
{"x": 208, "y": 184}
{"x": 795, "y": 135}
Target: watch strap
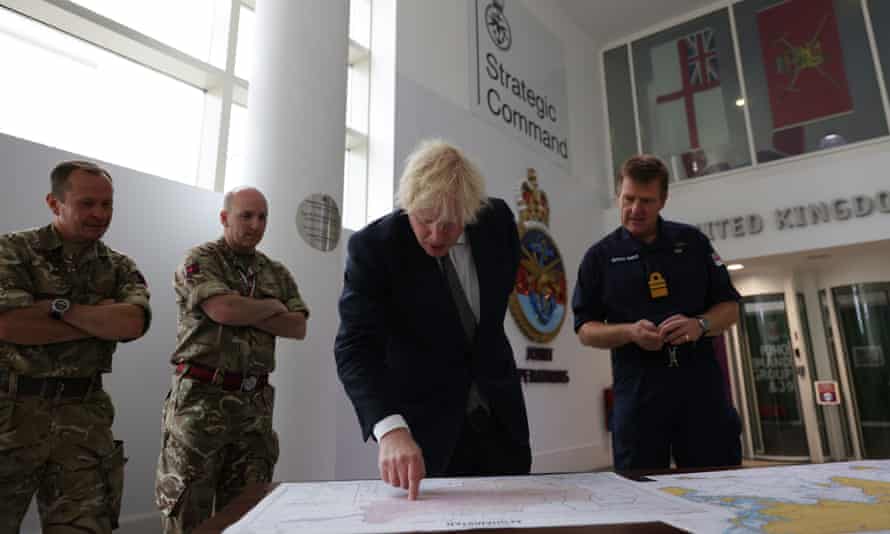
{"x": 704, "y": 324}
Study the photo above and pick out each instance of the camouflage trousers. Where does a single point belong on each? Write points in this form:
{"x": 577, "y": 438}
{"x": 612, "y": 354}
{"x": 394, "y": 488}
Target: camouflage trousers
{"x": 214, "y": 443}
{"x": 63, "y": 451}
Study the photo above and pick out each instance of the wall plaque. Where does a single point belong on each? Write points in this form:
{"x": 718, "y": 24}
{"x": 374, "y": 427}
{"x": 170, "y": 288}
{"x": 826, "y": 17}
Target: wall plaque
{"x": 538, "y": 301}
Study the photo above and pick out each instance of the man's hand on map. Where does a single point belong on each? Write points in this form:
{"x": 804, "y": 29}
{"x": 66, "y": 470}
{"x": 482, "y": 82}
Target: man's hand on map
{"x": 401, "y": 462}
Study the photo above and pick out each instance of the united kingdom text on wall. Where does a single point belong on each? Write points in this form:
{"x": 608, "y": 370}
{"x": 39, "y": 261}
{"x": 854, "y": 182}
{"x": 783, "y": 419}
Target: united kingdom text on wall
{"x": 520, "y": 76}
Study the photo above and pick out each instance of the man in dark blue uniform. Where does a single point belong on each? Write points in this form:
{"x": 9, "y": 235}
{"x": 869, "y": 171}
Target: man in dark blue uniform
{"x": 653, "y": 291}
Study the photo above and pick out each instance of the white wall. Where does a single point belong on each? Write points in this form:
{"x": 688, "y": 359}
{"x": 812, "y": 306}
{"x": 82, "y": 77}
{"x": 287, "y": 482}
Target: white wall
{"x": 762, "y": 283}
{"x": 855, "y": 266}
{"x": 433, "y": 84}
{"x": 828, "y": 268}
{"x": 154, "y": 222}
{"x": 816, "y": 178}
{"x": 157, "y": 220}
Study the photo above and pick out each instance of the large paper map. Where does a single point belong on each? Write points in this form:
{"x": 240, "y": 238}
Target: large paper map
{"x": 810, "y": 499}
{"x": 466, "y": 503}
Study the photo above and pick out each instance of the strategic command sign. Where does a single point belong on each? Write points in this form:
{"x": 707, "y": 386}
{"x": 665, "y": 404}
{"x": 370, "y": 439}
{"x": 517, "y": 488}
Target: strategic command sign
{"x": 538, "y": 301}
{"x": 519, "y": 83}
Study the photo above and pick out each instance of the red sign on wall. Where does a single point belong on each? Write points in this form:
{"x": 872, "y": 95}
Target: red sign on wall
{"x": 827, "y": 393}
{"x": 804, "y": 62}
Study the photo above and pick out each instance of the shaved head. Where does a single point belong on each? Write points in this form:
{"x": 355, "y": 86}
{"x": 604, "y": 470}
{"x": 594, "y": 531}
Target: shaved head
{"x": 239, "y": 192}
{"x": 243, "y": 218}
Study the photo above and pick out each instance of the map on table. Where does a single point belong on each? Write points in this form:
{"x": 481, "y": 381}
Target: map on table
{"x": 811, "y": 499}
{"x": 466, "y": 503}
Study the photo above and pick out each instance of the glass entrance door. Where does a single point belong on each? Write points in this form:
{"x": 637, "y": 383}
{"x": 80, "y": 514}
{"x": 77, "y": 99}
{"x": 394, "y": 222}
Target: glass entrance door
{"x": 811, "y": 365}
{"x": 777, "y": 428}
{"x": 863, "y": 315}
{"x": 842, "y": 447}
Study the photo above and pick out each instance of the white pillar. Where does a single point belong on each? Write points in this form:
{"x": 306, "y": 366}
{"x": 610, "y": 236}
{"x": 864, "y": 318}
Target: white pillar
{"x": 295, "y": 146}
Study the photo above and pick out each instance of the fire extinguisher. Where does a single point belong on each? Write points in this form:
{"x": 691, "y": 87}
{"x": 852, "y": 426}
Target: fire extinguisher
{"x": 608, "y": 405}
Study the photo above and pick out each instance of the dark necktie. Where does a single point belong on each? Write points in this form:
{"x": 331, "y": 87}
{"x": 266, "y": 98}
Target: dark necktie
{"x": 476, "y": 404}
{"x": 467, "y": 318}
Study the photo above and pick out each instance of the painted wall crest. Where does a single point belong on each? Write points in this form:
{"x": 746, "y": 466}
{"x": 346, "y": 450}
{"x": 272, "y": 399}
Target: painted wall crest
{"x": 538, "y": 301}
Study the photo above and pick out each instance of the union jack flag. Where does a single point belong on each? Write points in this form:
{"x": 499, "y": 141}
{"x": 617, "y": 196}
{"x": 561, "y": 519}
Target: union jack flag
{"x": 695, "y": 55}
{"x": 701, "y": 58}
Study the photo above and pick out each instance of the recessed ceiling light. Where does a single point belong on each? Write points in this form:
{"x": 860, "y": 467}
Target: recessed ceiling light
{"x": 740, "y": 102}
{"x": 735, "y": 266}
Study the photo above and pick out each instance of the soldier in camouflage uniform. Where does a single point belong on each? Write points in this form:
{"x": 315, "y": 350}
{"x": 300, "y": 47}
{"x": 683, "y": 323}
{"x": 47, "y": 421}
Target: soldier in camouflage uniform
{"x": 217, "y": 434}
{"x": 66, "y": 299}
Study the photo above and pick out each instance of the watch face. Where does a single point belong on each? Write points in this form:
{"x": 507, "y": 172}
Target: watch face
{"x": 60, "y": 305}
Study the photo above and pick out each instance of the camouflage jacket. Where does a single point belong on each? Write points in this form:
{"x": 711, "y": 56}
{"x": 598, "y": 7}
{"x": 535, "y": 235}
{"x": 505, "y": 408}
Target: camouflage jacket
{"x": 214, "y": 269}
{"x": 33, "y": 267}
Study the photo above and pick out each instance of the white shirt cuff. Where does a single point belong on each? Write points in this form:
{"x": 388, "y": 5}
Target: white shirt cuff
{"x": 388, "y": 424}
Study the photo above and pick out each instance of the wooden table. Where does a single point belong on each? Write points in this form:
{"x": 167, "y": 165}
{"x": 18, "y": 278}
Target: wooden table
{"x": 255, "y": 493}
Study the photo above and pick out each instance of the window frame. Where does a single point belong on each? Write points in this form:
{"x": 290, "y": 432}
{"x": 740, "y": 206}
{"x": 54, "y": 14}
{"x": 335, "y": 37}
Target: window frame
{"x": 356, "y": 148}
{"x": 222, "y": 88}
{"x": 755, "y": 165}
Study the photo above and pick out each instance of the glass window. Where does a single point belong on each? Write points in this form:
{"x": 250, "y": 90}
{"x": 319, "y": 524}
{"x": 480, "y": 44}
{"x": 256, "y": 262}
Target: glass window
{"x": 840, "y": 413}
{"x": 185, "y": 26}
{"x": 358, "y": 80}
{"x": 814, "y": 373}
{"x": 771, "y": 378}
{"x": 358, "y": 86}
{"x": 360, "y": 22}
{"x": 688, "y": 95}
{"x": 880, "y": 20}
{"x": 236, "y": 148}
{"x": 355, "y": 187}
{"x": 359, "y": 73}
{"x": 809, "y": 75}
{"x": 66, "y": 93}
{"x": 863, "y": 313}
{"x": 244, "y": 50}
{"x": 622, "y": 127}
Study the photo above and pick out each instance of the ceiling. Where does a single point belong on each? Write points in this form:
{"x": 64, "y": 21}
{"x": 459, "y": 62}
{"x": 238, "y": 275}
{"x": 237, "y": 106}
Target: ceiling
{"x": 609, "y": 20}
{"x": 779, "y": 263}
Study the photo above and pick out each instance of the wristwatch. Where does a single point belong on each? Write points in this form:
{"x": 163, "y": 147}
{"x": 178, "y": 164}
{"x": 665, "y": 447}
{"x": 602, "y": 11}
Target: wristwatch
{"x": 704, "y": 323}
{"x": 58, "y": 307}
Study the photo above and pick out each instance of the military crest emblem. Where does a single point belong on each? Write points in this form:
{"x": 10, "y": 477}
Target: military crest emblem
{"x": 498, "y": 26}
{"x": 538, "y": 301}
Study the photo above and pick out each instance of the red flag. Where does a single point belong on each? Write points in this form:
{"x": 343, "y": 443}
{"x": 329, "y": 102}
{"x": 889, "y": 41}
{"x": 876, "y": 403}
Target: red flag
{"x": 790, "y": 141}
{"x": 804, "y": 62}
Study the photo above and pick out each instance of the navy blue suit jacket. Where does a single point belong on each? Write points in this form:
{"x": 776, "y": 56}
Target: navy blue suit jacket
{"x": 401, "y": 348}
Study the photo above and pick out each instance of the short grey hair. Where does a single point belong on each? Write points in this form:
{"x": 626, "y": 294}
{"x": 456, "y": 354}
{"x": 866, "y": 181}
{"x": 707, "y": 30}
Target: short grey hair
{"x": 436, "y": 173}
{"x": 59, "y": 178}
